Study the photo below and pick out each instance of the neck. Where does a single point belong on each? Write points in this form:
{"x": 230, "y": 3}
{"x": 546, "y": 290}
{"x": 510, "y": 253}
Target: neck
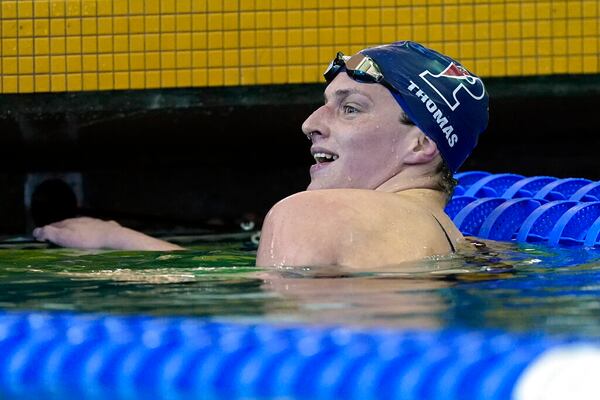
{"x": 416, "y": 183}
{"x": 417, "y": 177}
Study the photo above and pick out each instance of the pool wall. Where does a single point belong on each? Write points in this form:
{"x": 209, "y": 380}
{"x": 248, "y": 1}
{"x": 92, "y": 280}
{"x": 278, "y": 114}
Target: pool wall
{"x": 74, "y": 45}
{"x": 218, "y": 151}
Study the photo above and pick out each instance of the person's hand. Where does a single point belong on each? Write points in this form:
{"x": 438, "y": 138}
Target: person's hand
{"x": 91, "y": 233}
{"x": 83, "y": 232}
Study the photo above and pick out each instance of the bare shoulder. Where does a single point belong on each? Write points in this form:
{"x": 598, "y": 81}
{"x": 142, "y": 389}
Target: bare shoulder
{"x": 331, "y": 203}
{"x": 352, "y": 227}
{"x": 305, "y": 229}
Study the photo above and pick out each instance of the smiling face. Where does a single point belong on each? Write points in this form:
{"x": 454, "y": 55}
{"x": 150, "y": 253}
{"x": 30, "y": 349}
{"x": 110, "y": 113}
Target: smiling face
{"x": 357, "y": 138}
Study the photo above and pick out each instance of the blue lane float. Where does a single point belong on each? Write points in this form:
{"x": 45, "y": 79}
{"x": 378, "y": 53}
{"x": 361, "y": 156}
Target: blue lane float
{"x": 69, "y": 356}
{"x": 539, "y": 209}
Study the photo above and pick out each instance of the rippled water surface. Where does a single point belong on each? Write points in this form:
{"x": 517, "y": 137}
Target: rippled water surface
{"x": 499, "y": 285}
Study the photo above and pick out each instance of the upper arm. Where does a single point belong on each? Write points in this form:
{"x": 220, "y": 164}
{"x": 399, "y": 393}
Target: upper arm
{"x": 302, "y": 230}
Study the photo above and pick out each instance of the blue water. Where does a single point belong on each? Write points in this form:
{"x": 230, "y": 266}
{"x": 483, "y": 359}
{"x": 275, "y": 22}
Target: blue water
{"x": 512, "y": 287}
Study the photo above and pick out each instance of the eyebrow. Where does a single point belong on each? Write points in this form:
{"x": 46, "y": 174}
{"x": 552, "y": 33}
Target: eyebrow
{"x": 341, "y": 94}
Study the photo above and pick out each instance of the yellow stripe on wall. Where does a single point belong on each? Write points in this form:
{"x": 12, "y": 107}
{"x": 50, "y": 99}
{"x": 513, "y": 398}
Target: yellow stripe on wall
{"x": 74, "y": 45}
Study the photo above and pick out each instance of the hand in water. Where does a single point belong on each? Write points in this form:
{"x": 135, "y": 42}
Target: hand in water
{"x": 83, "y": 232}
{"x": 91, "y": 233}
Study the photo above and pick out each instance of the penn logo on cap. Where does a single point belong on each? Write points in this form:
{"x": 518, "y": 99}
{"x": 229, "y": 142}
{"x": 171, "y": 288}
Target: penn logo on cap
{"x": 454, "y": 77}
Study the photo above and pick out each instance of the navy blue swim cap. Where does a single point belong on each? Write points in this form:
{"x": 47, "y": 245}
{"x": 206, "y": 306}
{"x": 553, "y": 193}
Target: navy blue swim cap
{"x": 447, "y": 102}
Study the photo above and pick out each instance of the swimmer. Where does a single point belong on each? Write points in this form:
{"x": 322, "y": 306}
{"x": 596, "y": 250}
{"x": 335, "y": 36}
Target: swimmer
{"x": 397, "y": 121}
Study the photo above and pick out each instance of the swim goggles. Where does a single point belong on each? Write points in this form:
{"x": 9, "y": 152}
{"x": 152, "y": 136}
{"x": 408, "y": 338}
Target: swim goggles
{"x": 359, "y": 67}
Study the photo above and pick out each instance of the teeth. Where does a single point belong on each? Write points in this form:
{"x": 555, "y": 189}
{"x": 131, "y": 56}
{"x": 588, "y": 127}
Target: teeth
{"x": 323, "y": 157}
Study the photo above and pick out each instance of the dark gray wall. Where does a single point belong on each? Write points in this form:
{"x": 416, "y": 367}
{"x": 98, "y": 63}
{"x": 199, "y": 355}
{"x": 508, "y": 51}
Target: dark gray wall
{"x": 208, "y": 159}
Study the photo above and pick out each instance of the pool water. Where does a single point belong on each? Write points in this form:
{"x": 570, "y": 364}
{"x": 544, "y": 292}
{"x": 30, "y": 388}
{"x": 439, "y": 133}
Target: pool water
{"x": 512, "y": 287}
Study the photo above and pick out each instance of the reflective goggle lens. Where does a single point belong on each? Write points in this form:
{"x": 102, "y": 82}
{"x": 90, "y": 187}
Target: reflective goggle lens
{"x": 359, "y": 67}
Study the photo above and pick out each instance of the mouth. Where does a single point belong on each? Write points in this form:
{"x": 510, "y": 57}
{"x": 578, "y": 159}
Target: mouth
{"x": 322, "y": 157}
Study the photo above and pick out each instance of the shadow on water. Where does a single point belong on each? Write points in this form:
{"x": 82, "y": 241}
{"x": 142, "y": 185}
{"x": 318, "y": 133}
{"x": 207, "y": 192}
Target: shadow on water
{"x": 486, "y": 285}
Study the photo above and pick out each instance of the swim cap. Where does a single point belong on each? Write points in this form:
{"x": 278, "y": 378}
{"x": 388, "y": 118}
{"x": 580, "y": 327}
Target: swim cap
{"x": 447, "y": 102}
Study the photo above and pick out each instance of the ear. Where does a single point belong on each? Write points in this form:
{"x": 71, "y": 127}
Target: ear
{"x": 423, "y": 151}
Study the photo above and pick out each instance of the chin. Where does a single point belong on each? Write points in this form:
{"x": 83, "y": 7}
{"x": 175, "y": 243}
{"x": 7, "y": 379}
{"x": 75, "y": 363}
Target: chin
{"x": 319, "y": 185}
{"x": 313, "y": 186}
{"x": 316, "y": 184}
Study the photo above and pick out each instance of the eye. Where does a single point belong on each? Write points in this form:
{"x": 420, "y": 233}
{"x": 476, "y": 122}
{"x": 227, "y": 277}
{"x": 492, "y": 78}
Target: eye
{"x": 350, "y": 109}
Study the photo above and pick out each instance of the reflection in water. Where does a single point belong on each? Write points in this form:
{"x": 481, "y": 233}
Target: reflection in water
{"x": 361, "y": 300}
{"x": 487, "y": 285}
{"x": 412, "y": 294}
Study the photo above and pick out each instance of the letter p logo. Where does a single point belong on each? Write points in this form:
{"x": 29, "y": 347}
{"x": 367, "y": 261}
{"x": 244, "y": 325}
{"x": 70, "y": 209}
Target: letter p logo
{"x": 451, "y": 81}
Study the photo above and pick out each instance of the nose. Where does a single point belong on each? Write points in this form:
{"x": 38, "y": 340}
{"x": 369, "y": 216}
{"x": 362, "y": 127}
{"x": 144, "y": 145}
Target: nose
{"x": 316, "y": 123}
